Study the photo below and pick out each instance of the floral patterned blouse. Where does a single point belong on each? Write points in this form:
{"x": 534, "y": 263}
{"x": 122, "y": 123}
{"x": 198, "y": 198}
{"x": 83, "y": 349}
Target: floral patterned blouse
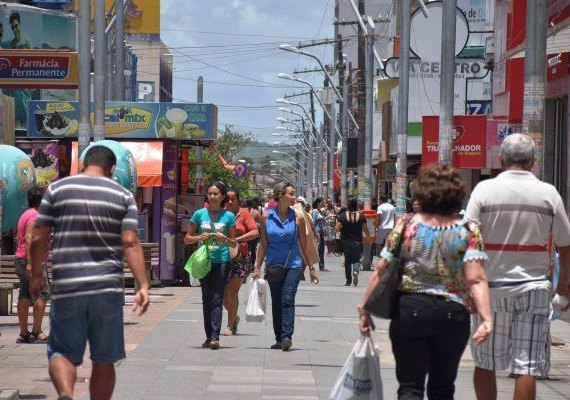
{"x": 433, "y": 257}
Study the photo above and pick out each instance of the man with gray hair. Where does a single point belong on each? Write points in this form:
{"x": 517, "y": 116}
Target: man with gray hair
{"x": 518, "y": 216}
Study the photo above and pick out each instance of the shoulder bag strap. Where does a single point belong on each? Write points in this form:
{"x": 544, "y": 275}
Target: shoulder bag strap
{"x": 292, "y": 244}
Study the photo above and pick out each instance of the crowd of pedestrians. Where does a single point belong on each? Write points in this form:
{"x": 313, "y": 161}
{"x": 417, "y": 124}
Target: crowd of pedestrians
{"x": 480, "y": 276}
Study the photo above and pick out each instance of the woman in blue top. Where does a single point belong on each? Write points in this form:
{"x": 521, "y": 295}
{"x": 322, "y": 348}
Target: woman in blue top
{"x": 219, "y": 224}
{"x": 282, "y": 238}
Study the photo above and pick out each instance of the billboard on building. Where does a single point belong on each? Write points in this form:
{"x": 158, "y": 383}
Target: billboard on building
{"x": 184, "y": 121}
{"x": 469, "y": 138}
{"x": 142, "y": 19}
{"x": 27, "y": 28}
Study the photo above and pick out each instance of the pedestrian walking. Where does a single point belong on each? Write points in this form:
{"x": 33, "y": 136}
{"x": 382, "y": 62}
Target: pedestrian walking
{"x": 442, "y": 259}
{"x": 518, "y": 216}
{"x": 329, "y": 212}
{"x": 283, "y": 238}
{"x": 241, "y": 266}
{"x": 351, "y": 224}
{"x": 23, "y": 264}
{"x": 311, "y": 251}
{"x": 386, "y": 214}
{"x": 94, "y": 224}
{"x": 254, "y": 210}
{"x": 214, "y": 222}
{"x": 319, "y": 222}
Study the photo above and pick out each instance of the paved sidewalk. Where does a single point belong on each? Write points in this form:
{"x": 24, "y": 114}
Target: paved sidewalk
{"x": 165, "y": 359}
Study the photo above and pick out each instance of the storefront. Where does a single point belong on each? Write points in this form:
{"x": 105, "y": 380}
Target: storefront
{"x": 158, "y": 135}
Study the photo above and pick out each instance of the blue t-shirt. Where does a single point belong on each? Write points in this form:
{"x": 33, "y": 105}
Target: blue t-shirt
{"x": 226, "y": 219}
{"x": 282, "y": 237}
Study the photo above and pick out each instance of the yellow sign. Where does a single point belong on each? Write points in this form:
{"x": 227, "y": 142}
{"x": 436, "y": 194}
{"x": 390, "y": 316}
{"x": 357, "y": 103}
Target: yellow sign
{"x": 142, "y": 19}
{"x": 125, "y": 119}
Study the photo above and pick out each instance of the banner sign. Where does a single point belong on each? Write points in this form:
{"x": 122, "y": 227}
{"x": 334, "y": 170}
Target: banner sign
{"x": 169, "y": 209}
{"x": 468, "y": 146}
{"x": 38, "y": 69}
{"x": 182, "y": 121}
{"x": 45, "y": 157}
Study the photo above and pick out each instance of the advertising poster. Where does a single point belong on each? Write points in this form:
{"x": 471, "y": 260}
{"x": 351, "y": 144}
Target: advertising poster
{"x": 168, "y": 217}
{"x": 497, "y": 131}
{"x": 468, "y": 145}
{"x": 24, "y": 28}
{"x": 1, "y": 187}
{"x": 142, "y": 19}
{"x": 45, "y": 157}
{"x": 183, "y": 121}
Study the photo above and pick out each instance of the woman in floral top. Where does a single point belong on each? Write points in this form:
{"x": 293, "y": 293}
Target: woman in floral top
{"x": 443, "y": 275}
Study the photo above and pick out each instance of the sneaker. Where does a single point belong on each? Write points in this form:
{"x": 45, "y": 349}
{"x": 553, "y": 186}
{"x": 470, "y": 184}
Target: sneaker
{"x": 287, "y": 343}
{"x": 214, "y": 344}
{"x": 355, "y": 278}
{"x": 277, "y": 346}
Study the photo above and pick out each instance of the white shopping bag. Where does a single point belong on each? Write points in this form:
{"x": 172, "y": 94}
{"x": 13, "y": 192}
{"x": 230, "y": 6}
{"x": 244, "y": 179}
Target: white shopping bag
{"x": 245, "y": 289}
{"x": 360, "y": 376}
{"x": 256, "y": 303}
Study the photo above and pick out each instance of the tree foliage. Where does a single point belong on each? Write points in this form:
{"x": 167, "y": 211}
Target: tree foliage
{"x": 229, "y": 142}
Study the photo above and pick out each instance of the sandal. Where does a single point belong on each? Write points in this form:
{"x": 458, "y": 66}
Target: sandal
{"x": 23, "y": 338}
{"x": 38, "y": 337}
{"x": 235, "y": 325}
{"x": 228, "y": 331}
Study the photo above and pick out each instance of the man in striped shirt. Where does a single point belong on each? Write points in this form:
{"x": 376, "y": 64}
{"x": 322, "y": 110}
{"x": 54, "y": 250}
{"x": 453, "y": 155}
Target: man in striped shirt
{"x": 518, "y": 216}
{"x": 94, "y": 224}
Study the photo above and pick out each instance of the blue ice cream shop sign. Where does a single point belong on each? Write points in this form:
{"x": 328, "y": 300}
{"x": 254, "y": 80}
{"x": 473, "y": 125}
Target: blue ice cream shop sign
{"x": 183, "y": 121}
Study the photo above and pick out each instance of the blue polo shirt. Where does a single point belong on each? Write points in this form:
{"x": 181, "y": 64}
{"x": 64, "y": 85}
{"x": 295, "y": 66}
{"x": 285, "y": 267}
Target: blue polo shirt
{"x": 282, "y": 237}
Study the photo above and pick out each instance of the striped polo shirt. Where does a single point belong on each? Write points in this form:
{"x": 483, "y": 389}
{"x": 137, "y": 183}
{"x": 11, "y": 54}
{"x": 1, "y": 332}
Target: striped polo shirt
{"x": 87, "y": 214}
{"x": 518, "y": 214}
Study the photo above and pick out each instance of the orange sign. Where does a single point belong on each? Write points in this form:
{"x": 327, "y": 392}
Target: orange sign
{"x": 38, "y": 69}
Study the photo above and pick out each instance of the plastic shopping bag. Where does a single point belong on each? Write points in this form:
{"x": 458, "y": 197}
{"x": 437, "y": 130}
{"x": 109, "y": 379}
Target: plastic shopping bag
{"x": 199, "y": 264}
{"x": 360, "y": 376}
{"x": 256, "y": 303}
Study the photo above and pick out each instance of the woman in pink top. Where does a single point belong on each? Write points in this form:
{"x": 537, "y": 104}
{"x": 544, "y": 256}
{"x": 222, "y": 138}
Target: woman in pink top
{"x": 24, "y": 271}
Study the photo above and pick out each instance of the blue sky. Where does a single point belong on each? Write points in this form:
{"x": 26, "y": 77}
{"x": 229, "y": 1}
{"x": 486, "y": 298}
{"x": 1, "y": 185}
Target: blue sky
{"x": 233, "y": 45}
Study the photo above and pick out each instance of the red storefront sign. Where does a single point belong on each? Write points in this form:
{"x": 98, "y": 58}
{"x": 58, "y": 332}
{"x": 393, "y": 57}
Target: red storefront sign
{"x": 38, "y": 69}
{"x": 468, "y": 148}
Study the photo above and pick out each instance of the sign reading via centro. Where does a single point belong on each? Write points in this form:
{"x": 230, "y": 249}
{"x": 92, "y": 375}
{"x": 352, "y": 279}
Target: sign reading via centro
{"x": 38, "y": 69}
{"x": 185, "y": 121}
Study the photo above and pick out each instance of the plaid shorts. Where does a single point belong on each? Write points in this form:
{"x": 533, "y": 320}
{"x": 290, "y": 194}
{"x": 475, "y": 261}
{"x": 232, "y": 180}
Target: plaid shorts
{"x": 521, "y": 335}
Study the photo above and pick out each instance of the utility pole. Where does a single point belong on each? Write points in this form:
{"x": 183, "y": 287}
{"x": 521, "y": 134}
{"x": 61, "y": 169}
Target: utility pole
{"x": 369, "y": 118}
{"x": 199, "y": 184}
{"x": 447, "y": 82}
{"x": 343, "y": 106}
{"x": 534, "y": 78}
{"x": 120, "y": 51}
{"x": 312, "y": 146}
{"x": 84, "y": 48}
{"x": 403, "y": 93}
{"x": 99, "y": 80}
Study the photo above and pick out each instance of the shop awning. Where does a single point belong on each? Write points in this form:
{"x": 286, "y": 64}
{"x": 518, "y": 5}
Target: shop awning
{"x": 148, "y": 158}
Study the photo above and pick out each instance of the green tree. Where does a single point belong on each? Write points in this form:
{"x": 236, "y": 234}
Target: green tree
{"x": 228, "y": 143}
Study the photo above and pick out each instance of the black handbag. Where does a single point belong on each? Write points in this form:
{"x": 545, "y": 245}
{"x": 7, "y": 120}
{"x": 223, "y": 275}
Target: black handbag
{"x": 276, "y": 273}
{"x": 383, "y": 300}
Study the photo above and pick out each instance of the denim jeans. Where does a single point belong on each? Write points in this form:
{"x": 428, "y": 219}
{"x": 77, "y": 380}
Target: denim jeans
{"x": 321, "y": 252}
{"x": 283, "y": 304}
{"x": 352, "y": 253}
{"x": 213, "y": 286}
{"x": 97, "y": 319}
{"x": 429, "y": 335}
